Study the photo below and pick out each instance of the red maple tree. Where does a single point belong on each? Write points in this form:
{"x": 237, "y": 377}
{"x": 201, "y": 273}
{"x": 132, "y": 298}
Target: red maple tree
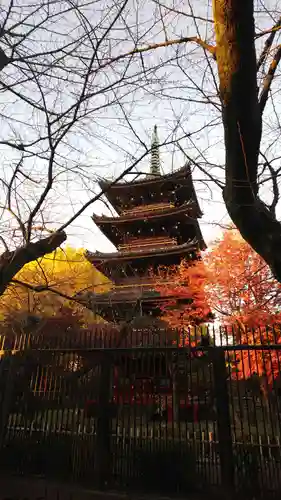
{"x": 235, "y": 283}
{"x": 239, "y": 285}
{"x": 184, "y": 288}
{"x": 186, "y": 305}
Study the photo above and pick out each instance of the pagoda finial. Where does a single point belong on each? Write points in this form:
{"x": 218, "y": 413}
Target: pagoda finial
{"x": 155, "y": 157}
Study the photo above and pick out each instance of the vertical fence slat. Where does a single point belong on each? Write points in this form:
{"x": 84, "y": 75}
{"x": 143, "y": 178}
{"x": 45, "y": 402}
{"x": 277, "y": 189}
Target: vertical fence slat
{"x": 223, "y": 418}
{"x": 7, "y": 369}
{"x": 103, "y": 422}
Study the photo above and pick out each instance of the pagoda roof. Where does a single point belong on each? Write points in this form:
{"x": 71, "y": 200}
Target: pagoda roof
{"x": 156, "y": 213}
{"x": 147, "y": 180}
{"x": 139, "y": 223}
{"x": 148, "y": 186}
{"x": 97, "y": 258}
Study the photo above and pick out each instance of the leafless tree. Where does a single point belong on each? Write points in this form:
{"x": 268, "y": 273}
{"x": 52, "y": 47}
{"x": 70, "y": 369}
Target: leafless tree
{"x": 246, "y": 86}
{"x": 234, "y": 74}
{"x": 67, "y": 65}
{"x": 64, "y": 65}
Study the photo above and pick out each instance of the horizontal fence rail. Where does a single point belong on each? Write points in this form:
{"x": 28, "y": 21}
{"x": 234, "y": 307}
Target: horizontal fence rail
{"x": 171, "y": 413}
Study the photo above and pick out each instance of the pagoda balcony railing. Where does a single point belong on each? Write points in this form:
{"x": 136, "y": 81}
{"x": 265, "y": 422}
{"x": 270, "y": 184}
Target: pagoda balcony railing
{"x": 155, "y": 210}
{"x": 148, "y": 208}
{"x": 140, "y": 282}
{"x": 142, "y": 245}
{"x": 136, "y": 280}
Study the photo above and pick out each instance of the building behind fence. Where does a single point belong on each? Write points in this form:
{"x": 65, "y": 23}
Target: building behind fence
{"x": 143, "y": 415}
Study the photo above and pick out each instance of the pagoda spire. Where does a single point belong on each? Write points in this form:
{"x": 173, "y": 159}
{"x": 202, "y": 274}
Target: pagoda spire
{"x": 155, "y": 156}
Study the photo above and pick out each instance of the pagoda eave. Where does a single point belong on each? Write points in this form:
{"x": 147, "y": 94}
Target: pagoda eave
{"x": 182, "y": 173}
{"x": 180, "y": 227}
{"x": 129, "y": 295}
{"x": 104, "y": 258}
{"x": 128, "y": 194}
{"x": 140, "y": 215}
{"x": 121, "y": 301}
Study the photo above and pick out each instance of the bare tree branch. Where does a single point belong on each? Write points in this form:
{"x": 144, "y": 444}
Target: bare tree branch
{"x": 268, "y": 79}
{"x": 47, "y": 288}
{"x": 4, "y": 60}
{"x": 268, "y": 44}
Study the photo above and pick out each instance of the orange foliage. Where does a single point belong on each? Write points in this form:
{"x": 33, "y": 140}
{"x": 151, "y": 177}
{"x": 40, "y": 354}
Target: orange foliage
{"x": 263, "y": 363}
{"x": 239, "y": 285}
{"x": 232, "y": 279}
{"x": 183, "y": 286}
{"x": 236, "y": 284}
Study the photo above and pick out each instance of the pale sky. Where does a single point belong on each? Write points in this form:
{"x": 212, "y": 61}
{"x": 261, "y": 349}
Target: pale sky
{"x": 214, "y": 213}
{"x": 184, "y": 112}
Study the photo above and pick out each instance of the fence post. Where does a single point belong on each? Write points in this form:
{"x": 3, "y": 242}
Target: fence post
{"x": 6, "y": 392}
{"x": 103, "y": 422}
{"x": 223, "y": 418}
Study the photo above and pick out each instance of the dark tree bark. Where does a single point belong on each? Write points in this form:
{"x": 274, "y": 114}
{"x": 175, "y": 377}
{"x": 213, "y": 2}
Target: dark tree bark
{"x": 242, "y": 120}
{"x": 4, "y": 60}
{"x": 12, "y": 262}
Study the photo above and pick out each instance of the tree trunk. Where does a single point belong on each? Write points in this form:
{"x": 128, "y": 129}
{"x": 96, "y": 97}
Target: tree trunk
{"x": 242, "y": 120}
{"x": 11, "y": 262}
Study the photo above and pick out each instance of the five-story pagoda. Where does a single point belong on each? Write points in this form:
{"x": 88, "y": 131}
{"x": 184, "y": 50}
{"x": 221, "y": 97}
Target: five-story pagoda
{"x": 157, "y": 225}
